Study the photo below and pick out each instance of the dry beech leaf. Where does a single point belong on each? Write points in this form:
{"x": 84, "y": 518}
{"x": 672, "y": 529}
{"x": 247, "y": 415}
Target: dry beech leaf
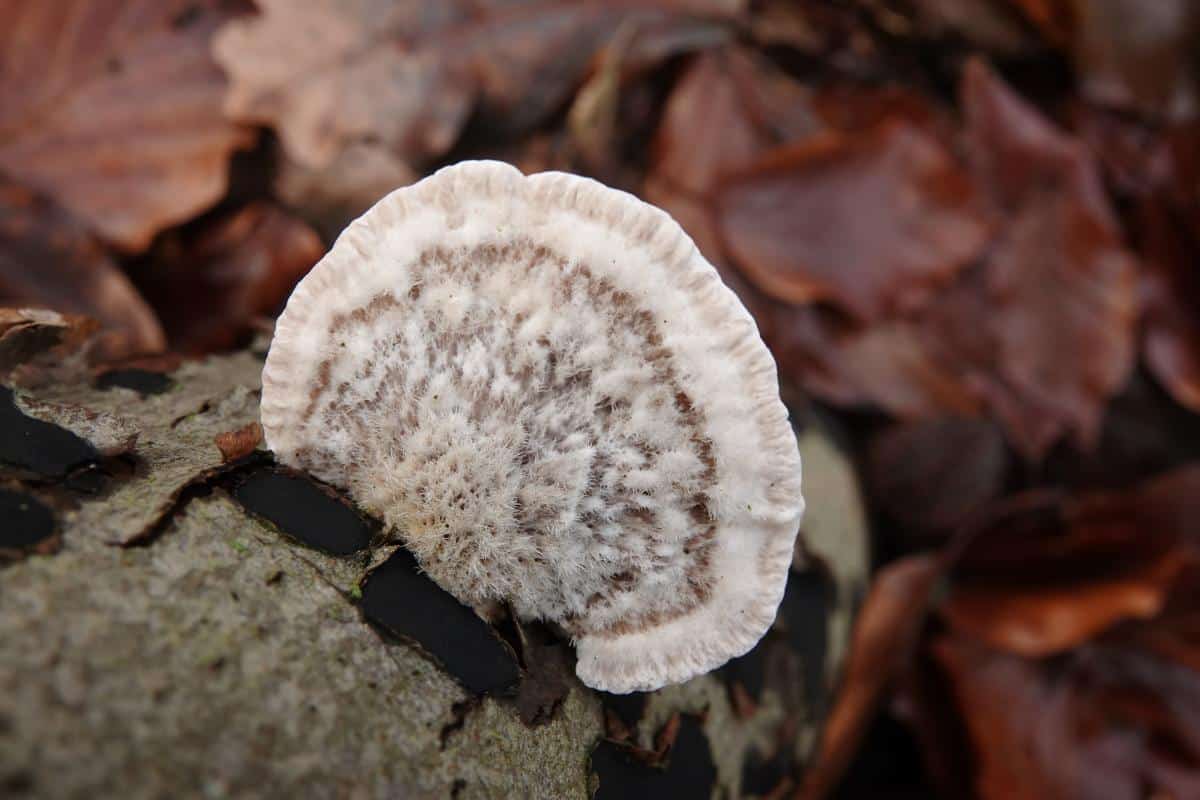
{"x": 210, "y": 285}
{"x": 26, "y": 333}
{"x": 331, "y": 197}
{"x": 894, "y": 365}
{"x": 1059, "y": 285}
{"x": 931, "y": 475}
{"x": 726, "y": 110}
{"x": 239, "y": 442}
{"x": 1105, "y": 721}
{"x": 872, "y": 223}
{"x": 1054, "y": 19}
{"x": 48, "y": 260}
{"x": 327, "y": 74}
{"x": 1157, "y": 173}
{"x": 989, "y": 24}
{"x": 1041, "y": 332}
{"x": 614, "y": 101}
{"x": 1067, "y": 576}
{"x": 114, "y": 110}
{"x": 885, "y": 634}
{"x": 853, "y": 108}
{"x": 1167, "y": 218}
{"x": 1018, "y": 154}
{"x": 1042, "y": 620}
{"x": 1139, "y": 56}
{"x": 1064, "y": 315}
{"x": 1170, "y": 290}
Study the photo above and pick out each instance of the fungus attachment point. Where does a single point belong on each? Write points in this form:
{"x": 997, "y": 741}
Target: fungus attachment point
{"x": 549, "y": 396}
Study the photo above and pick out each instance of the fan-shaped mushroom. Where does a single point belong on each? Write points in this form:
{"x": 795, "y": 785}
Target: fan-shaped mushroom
{"x": 551, "y": 398}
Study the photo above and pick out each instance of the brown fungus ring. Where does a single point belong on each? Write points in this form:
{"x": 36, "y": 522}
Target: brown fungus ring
{"x": 551, "y": 398}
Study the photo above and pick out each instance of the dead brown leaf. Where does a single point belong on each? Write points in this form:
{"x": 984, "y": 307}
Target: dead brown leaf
{"x": 1165, "y": 215}
{"x": 239, "y": 443}
{"x": 328, "y": 74}
{"x": 1060, "y": 579}
{"x": 1060, "y": 285}
{"x": 1139, "y": 56}
{"x": 1065, "y": 307}
{"x": 48, "y": 260}
{"x": 1040, "y": 620}
{"x": 113, "y": 108}
{"x": 330, "y": 197}
{"x": 1105, "y": 722}
{"x": 873, "y": 224}
{"x": 726, "y": 110}
{"x": 885, "y": 634}
{"x": 990, "y": 24}
{"x": 211, "y": 284}
{"x": 931, "y": 475}
{"x": 28, "y": 332}
{"x": 1054, "y": 19}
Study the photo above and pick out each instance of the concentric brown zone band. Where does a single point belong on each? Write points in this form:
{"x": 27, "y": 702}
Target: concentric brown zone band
{"x": 335, "y": 407}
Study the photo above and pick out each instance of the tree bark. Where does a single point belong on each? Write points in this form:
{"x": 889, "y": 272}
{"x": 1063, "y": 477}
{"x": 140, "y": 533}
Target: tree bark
{"x": 164, "y": 641}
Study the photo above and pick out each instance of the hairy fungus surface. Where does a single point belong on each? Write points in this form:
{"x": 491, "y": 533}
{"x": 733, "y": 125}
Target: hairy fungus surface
{"x": 552, "y": 400}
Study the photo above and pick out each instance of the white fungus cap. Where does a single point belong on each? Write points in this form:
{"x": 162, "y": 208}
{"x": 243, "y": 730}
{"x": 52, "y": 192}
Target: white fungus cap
{"x": 550, "y": 397}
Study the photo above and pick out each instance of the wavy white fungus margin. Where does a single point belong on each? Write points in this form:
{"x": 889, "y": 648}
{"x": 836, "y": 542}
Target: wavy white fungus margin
{"x": 752, "y": 506}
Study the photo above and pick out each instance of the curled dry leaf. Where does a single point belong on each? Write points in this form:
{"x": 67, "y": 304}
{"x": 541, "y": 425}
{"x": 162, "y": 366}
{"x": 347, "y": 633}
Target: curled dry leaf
{"x": 48, "y": 260}
{"x": 331, "y": 197}
{"x": 885, "y": 634}
{"x": 726, "y": 110}
{"x": 931, "y": 475}
{"x": 1040, "y": 331}
{"x": 114, "y": 109}
{"x": 239, "y": 443}
{"x": 1159, "y": 173}
{"x": 1059, "y": 283}
{"x": 1064, "y": 313}
{"x": 1105, "y": 721}
{"x": 1043, "y": 584}
{"x": 609, "y": 105}
{"x": 1054, "y": 19}
{"x": 897, "y": 365}
{"x": 728, "y": 107}
{"x": 994, "y": 26}
{"x": 1170, "y": 289}
{"x": 328, "y": 74}
{"x": 1139, "y": 56}
{"x": 211, "y": 284}
{"x": 872, "y": 224}
{"x": 29, "y": 332}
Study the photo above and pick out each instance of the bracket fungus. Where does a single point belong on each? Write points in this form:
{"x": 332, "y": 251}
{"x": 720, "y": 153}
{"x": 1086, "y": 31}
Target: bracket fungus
{"x": 549, "y": 396}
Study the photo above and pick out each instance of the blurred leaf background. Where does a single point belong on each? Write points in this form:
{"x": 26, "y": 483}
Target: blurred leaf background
{"x": 968, "y": 229}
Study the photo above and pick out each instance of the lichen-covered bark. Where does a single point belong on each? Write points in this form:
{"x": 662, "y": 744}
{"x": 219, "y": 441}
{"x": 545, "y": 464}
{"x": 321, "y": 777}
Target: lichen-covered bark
{"x": 177, "y": 645}
{"x": 219, "y": 658}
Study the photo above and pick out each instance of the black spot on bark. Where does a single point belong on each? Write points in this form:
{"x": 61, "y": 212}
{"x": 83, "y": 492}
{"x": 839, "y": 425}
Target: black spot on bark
{"x": 39, "y": 447}
{"x": 24, "y": 520}
{"x": 142, "y": 381}
{"x": 92, "y": 479}
{"x": 689, "y": 772}
{"x": 548, "y": 669}
{"x": 17, "y": 784}
{"x": 304, "y": 510}
{"x": 399, "y": 598}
